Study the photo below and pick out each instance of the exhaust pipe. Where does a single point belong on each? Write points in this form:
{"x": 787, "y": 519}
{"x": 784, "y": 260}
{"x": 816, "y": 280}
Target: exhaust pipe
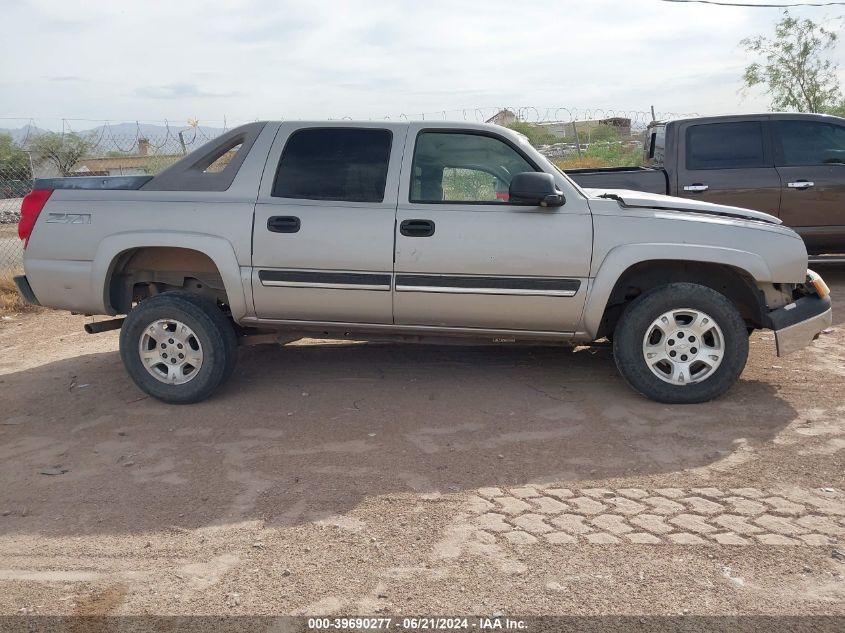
{"x": 104, "y": 326}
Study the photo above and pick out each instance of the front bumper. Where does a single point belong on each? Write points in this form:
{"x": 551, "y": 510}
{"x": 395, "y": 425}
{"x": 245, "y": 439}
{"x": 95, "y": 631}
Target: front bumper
{"x": 25, "y": 290}
{"x": 799, "y": 323}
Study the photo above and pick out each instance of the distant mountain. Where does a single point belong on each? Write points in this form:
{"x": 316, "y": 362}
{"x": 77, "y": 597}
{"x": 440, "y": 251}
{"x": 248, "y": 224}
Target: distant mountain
{"x": 19, "y": 134}
{"x": 125, "y": 132}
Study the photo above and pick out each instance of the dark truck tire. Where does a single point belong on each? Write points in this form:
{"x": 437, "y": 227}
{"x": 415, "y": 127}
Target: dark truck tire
{"x": 681, "y": 343}
{"x": 178, "y": 347}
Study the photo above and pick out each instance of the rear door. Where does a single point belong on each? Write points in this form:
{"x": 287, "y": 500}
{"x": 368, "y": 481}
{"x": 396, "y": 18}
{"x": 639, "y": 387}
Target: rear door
{"x": 810, "y": 159}
{"x": 466, "y": 256}
{"x": 323, "y": 233}
{"x": 728, "y": 162}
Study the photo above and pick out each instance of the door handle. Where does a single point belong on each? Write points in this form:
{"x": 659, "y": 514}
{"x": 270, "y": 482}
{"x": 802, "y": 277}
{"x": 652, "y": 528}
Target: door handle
{"x": 283, "y": 224}
{"x": 800, "y": 184}
{"x": 696, "y": 187}
{"x": 417, "y": 228}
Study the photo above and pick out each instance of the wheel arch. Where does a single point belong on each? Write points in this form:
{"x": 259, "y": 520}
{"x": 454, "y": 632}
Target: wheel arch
{"x": 116, "y": 251}
{"x": 634, "y": 269}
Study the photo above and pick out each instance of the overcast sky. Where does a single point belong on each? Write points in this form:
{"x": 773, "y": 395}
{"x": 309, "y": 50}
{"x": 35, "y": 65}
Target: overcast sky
{"x": 162, "y": 59}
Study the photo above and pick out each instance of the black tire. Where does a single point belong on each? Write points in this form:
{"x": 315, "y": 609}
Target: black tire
{"x": 212, "y": 329}
{"x": 644, "y": 310}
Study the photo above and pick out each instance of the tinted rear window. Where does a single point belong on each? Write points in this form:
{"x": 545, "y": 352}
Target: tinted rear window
{"x": 725, "y": 146}
{"x": 348, "y": 165}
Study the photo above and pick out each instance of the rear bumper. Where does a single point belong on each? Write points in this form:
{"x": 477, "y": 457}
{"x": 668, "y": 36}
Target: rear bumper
{"x": 26, "y": 290}
{"x": 799, "y": 324}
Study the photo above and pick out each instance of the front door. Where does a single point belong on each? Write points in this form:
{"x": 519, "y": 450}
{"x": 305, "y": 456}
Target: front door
{"x": 466, "y": 256}
{"x": 323, "y": 232}
{"x": 810, "y": 158}
{"x": 728, "y": 162}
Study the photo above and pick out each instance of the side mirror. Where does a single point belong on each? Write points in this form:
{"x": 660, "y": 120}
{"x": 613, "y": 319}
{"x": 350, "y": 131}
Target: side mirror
{"x": 535, "y": 188}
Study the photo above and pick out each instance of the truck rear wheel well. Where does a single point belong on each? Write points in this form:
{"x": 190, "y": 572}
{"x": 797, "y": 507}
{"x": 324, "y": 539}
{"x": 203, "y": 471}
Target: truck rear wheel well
{"x": 737, "y": 285}
{"x": 147, "y": 271}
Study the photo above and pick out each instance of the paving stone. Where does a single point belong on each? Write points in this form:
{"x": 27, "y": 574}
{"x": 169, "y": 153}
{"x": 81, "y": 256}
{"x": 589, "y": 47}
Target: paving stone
{"x": 626, "y": 506}
{"x": 478, "y": 505}
{"x": 643, "y": 538}
{"x": 484, "y": 537}
{"x": 828, "y": 506}
{"x": 750, "y": 493}
{"x": 520, "y": 538}
{"x": 708, "y": 492}
{"x": 600, "y": 538}
{"x": 776, "y": 539}
{"x": 684, "y": 538}
{"x": 744, "y": 506}
{"x": 493, "y": 522}
{"x": 549, "y": 505}
{"x": 783, "y": 506}
{"x": 703, "y": 506}
{"x": 489, "y": 493}
{"x": 816, "y": 540}
{"x": 611, "y": 523}
{"x": 571, "y": 523}
{"x": 779, "y": 525}
{"x": 692, "y": 523}
{"x": 561, "y": 538}
{"x": 524, "y": 493}
{"x": 597, "y": 493}
{"x": 633, "y": 493}
{"x": 729, "y": 538}
{"x": 820, "y": 524}
{"x": 660, "y": 505}
{"x": 560, "y": 493}
{"x": 533, "y": 523}
{"x": 513, "y": 506}
{"x": 672, "y": 493}
{"x": 652, "y": 523}
{"x": 586, "y": 505}
{"x": 736, "y": 523}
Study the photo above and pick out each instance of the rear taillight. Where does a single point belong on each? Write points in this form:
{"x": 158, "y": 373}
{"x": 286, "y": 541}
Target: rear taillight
{"x": 31, "y": 207}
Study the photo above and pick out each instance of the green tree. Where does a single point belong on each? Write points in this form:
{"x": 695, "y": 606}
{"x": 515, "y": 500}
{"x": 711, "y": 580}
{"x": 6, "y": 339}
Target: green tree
{"x": 14, "y": 161}
{"x": 63, "y": 150}
{"x": 795, "y": 71}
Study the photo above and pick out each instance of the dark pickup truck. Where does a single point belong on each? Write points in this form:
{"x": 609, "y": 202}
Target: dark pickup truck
{"x": 791, "y": 166}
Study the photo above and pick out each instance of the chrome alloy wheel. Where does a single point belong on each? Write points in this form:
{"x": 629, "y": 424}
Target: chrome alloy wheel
{"x": 683, "y": 346}
{"x": 170, "y": 351}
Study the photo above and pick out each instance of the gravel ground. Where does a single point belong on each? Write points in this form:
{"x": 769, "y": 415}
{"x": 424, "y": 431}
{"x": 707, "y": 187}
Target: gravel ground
{"x": 362, "y": 478}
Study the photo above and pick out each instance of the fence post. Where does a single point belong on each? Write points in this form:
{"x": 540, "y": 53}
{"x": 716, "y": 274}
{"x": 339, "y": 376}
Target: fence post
{"x": 577, "y": 140}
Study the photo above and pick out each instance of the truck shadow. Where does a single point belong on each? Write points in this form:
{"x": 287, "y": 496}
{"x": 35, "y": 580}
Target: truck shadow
{"x": 307, "y": 431}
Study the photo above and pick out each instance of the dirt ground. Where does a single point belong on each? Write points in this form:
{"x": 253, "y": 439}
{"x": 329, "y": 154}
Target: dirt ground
{"x": 387, "y": 479}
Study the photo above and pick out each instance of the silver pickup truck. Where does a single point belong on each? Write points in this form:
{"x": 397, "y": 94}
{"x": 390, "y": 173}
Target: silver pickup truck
{"x": 411, "y": 232}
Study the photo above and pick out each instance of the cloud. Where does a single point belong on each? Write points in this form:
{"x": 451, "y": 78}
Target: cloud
{"x": 180, "y": 91}
{"x": 248, "y": 59}
{"x": 64, "y": 78}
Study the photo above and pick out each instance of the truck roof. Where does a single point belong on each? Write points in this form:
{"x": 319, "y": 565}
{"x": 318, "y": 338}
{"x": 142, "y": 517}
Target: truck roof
{"x": 746, "y": 115}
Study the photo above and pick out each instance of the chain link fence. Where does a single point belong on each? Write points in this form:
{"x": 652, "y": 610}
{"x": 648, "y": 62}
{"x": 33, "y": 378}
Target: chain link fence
{"x": 32, "y": 149}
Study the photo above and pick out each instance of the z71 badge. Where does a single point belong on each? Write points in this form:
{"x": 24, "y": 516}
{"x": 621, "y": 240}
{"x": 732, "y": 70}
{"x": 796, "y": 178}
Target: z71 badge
{"x": 69, "y": 218}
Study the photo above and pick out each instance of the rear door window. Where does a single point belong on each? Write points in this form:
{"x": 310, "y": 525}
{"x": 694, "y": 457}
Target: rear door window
{"x": 808, "y": 143}
{"x": 340, "y": 164}
{"x": 726, "y": 146}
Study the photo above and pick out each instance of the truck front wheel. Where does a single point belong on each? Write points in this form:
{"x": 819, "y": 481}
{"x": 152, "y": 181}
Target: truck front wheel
{"x": 178, "y": 347}
{"x": 681, "y": 343}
